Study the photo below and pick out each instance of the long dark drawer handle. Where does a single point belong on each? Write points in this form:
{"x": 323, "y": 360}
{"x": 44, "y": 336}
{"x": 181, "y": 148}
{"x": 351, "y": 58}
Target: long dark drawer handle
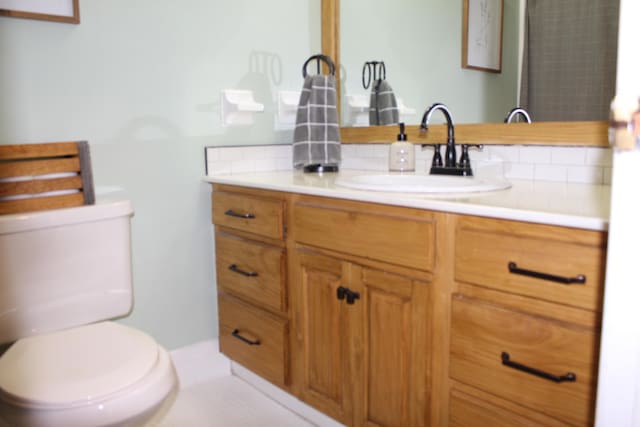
{"x": 570, "y": 376}
{"x": 235, "y": 269}
{"x": 235, "y": 214}
{"x": 580, "y": 278}
{"x": 237, "y": 335}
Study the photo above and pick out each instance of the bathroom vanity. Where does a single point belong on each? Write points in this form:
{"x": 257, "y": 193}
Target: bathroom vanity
{"x": 405, "y": 310}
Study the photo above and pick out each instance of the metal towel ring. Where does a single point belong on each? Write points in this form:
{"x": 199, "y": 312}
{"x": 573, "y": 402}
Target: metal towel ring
{"x": 327, "y": 60}
{"x": 379, "y": 72}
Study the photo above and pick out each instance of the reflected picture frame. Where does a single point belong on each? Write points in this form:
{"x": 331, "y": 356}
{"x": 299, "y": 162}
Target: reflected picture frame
{"x": 66, "y": 11}
{"x": 482, "y": 34}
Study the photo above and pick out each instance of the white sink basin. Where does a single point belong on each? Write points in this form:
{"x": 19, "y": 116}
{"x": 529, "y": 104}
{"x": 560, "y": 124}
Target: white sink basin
{"x": 421, "y": 183}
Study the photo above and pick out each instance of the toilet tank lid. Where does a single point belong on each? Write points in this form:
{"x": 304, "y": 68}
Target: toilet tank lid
{"x": 108, "y": 205}
{"x": 76, "y": 366}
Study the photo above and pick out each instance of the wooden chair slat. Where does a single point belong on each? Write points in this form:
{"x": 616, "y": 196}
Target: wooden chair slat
{"x": 36, "y": 186}
{"x": 38, "y": 167}
{"x": 31, "y": 151}
{"x": 41, "y": 203}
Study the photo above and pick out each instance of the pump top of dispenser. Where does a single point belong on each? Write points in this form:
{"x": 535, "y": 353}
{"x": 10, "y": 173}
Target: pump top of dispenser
{"x": 402, "y": 136}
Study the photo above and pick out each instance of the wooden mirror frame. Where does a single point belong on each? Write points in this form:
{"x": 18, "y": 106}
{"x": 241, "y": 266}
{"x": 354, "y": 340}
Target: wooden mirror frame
{"x": 593, "y": 134}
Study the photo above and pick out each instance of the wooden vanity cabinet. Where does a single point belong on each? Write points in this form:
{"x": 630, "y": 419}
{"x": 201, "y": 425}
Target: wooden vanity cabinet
{"x": 361, "y": 347}
{"x": 525, "y": 339}
{"x": 390, "y": 316}
{"x": 251, "y": 270}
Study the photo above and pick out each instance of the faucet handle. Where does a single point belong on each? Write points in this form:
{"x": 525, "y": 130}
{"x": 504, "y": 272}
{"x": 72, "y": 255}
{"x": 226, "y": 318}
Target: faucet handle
{"x": 437, "y": 157}
{"x": 465, "y": 161}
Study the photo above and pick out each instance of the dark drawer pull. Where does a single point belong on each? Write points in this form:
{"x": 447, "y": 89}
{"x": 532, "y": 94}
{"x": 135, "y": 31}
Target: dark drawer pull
{"x": 235, "y": 269}
{"x": 234, "y": 214}
{"x": 570, "y": 376}
{"x": 513, "y": 268}
{"x": 237, "y": 335}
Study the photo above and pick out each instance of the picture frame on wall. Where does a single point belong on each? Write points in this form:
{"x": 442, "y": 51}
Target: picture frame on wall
{"x": 482, "y": 35}
{"x": 67, "y": 11}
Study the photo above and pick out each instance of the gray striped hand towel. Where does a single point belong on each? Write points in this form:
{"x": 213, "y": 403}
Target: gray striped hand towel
{"x": 383, "y": 107}
{"x": 316, "y": 138}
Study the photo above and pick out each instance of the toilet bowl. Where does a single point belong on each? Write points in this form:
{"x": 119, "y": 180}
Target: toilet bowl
{"x": 64, "y": 274}
{"x": 104, "y": 374}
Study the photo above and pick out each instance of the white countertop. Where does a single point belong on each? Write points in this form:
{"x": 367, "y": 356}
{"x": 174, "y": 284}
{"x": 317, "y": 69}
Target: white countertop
{"x": 567, "y": 204}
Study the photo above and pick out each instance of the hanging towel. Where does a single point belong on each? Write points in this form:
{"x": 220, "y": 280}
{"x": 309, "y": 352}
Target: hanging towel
{"x": 316, "y": 138}
{"x": 383, "y": 107}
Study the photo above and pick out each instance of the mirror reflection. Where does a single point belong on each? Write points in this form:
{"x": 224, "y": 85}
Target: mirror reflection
{"x": 420, "y": 45}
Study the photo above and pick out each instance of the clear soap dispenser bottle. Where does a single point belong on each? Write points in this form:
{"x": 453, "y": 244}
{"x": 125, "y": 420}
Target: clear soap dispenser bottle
{"x": 402, "y": 154}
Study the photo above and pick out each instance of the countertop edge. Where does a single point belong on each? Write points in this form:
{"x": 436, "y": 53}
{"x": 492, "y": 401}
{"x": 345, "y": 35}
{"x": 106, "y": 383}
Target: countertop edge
{"x": 451, "y": 204}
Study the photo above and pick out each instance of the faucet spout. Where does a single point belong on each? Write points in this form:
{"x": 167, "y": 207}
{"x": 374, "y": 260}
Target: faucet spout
{"x": 518, "y": 111}
{"x": 450, "y": 154}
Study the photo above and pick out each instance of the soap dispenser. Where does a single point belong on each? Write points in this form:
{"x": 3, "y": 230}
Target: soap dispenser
{"x": 402, "y": 154}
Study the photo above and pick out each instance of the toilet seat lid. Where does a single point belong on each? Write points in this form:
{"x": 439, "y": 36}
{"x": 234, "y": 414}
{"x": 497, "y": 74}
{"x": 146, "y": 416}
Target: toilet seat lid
{"x": 76, "y": 366}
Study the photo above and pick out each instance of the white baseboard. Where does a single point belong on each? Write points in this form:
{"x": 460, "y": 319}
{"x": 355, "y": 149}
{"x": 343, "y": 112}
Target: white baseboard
{"x": 200, "y": 362}
{"x": 283, "y": 398}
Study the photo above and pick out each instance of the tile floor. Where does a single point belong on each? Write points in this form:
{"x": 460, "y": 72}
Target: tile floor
{"x": 227, "y": 401}
{"x": 211, "y": 396}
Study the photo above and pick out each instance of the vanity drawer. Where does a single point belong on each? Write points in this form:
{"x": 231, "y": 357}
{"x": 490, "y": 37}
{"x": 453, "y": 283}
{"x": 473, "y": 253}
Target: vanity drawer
{"x": 466, "y": 411}
{"x": 251, "y": 270}
{"x": 254, "y": 338}
{"x": 492, "y": 349}
{"x": 508, "y": 255}
{"x": 252, "y": 214}
{"x": 398, "y": 236}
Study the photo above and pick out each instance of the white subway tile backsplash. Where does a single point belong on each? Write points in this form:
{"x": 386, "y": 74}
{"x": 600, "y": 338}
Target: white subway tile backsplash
{"x": 348, "y": 150}
{"x": 218, "y": 167}
{"x": 550, "y": 173}
{"x": 535, "y": 155}
{"x": 283, "y": 164}
{"x": 599, "y": 156}
{"x": 585, "y": 174}
{"x": 565, "y": 164}
{"x": 373, "y": 150}
{"x": 213, "y": 154}
{"x": 479, "y": 153}
{"x": 243, "y": 166}
{"x": 266, "y": 165}
{"x": 507, "y": 153}
{"x": 519, "y": 171}
{"x": 237, "y": 153}
{"x": 568, "y": 155}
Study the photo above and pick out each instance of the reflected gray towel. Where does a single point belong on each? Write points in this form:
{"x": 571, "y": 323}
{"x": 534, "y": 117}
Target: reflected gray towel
{"x": 316, "y": 138}
{"x": 383, "y": 107}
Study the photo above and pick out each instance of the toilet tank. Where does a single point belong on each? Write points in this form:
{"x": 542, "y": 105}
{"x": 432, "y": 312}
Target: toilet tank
{"x": 65, "y": 267}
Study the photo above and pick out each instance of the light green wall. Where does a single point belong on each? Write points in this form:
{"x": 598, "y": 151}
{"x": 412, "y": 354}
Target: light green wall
{"x": 420, "y": 42}
{"x": 141, "y": 81}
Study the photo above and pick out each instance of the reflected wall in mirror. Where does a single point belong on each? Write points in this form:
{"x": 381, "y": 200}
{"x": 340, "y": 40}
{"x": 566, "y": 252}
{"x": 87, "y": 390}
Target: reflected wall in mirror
{"x": 420, "y": 43}
{"x": 421, "y": 50}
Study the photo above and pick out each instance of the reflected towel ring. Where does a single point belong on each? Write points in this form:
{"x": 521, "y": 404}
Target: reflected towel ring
{"x": 379, "y": 72}
{"x": 327, "y": 60}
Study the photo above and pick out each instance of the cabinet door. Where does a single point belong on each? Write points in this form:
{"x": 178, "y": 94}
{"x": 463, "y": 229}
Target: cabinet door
{"x": 321, "y": 323}
{"x": 393, "y": 334}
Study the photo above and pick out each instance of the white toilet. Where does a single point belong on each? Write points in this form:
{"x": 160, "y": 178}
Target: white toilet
{"x": 62, "y": 274}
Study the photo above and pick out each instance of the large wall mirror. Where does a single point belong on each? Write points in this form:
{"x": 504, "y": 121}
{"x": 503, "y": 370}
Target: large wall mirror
{"x": 420, "y": 74}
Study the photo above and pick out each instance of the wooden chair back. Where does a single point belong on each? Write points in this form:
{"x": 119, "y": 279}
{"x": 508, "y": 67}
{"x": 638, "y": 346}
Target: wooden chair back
{"x": 36, "y": 177}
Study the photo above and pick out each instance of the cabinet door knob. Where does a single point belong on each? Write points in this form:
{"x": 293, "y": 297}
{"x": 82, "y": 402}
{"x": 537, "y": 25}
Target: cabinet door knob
{"x": 514, "y": 269}
{"x": 341, "y": 292}
{"x": 352, "y": 297}
{"x": 570, "y": 376}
